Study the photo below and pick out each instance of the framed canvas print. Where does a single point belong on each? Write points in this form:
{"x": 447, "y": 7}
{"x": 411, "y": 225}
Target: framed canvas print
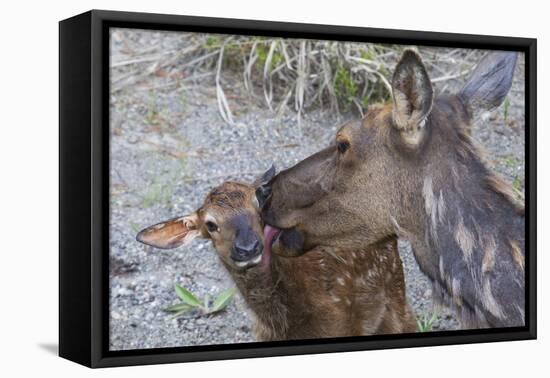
{"x": 234, "y": 188}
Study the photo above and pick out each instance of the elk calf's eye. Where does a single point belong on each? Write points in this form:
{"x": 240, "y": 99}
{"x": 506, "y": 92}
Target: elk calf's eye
{"x": 343, "y": 147}
{"x": 211, "y": 226}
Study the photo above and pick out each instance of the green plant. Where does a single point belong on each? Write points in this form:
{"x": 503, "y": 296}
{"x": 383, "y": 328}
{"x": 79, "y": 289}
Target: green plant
{"x": 206, "y": 306}
{"x": 154, "y": 117}
{"x": 135, "y": 226}
{"x": 297, "y": 74}
{"x": 510, "y": 161}
{"x": 302, "y": 74}
{"x": 368, "y": 54}
{"x": 425, "y": 322}
{"x": 276, "y": 58}
{"x": 506, "y": 108}
{"x": 517, "y": 183}
{"x": 213, "y": 41}
{"x": 345, "y": 86}
{"x": 153, "y": 114}
{"x": 157, "y": 193}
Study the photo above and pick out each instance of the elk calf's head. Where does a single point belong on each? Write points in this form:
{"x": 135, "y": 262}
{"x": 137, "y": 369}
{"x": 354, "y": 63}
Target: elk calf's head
{"x": 229, "y": 217}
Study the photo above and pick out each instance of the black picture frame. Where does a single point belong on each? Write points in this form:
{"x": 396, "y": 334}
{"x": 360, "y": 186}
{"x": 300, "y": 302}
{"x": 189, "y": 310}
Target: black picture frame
{"x": 84, "y": 187}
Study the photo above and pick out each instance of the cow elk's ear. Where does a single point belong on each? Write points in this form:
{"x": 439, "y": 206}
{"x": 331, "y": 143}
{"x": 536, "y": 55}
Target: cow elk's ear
{"x": 171, "y": 233}
{"x": 490, "y": 81}
{"x": 412, "y": 97}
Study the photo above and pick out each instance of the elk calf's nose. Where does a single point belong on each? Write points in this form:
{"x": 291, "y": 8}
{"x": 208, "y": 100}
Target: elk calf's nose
{"x": 244, "y": 250}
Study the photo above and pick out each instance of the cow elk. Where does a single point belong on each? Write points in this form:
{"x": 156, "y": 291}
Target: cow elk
{"x": 409, "y": 168}
{"x": 325, "y": 293}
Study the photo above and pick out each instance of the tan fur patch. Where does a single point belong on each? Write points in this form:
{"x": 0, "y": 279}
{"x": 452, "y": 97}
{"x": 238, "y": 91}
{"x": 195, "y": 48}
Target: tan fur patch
{"x": 517, "y": 256}
{"x": 499, "y": 186}
{"x": 465, "y": 147}
{"x": 434, "y": 205}
{"x": 465, "y": 240}
{"x": 398, "y": 230}
{"x": 441, "y": 207}
{"x": 429, "y": 200}
{"x": 457, "y": 292}
{"x": 489, "y": 257}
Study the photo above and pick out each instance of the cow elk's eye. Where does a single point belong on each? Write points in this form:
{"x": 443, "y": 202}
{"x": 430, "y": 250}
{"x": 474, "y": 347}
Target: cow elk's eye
{"x": 343, "y": 146}
{"x": 211, "y": 226}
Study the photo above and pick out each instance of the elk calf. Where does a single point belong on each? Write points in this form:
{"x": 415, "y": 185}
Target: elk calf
{"x": 326, "y": 293}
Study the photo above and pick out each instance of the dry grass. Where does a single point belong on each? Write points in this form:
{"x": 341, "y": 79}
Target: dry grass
{"x": 303, "y": 74}
{"x": 282, "y": 73}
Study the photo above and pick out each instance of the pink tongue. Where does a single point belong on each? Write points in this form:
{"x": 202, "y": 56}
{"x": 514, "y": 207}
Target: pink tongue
{"x": 269, "y": 234}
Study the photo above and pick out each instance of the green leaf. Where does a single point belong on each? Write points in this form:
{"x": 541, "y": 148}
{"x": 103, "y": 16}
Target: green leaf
{"x": 432, "y": 319}
{"x": 187, "y": 297}
{"x": 206, "y": 302}
{"x": 179, "y": 313}
{"x": 135, "y": 227}
{"x": 424, "y": 323}
{"x": 178, "y": 307}
{"x": 222, "y": 300}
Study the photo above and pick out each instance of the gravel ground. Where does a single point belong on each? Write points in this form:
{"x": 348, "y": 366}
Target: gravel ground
{"x": 169, "y": 146}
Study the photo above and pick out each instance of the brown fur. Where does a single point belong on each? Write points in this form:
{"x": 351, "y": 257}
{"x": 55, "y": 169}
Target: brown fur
{"x": 328, "y": 292}
{"x": 323, "y": 294}
{"x": 411, "y": 168}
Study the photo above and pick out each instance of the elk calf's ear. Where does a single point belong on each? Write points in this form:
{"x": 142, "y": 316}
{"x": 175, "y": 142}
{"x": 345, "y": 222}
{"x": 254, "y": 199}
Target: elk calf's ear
{"x": 171, "y": 233}
{"x": 490, "y": 81}
{"x": 266, "y": 177}
{"x": 412, "y": 94}
{"x": 263, "y": 189}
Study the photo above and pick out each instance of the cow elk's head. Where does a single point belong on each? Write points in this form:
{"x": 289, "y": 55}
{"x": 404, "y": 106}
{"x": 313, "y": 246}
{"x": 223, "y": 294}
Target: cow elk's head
{"x": 358, "y": 189}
